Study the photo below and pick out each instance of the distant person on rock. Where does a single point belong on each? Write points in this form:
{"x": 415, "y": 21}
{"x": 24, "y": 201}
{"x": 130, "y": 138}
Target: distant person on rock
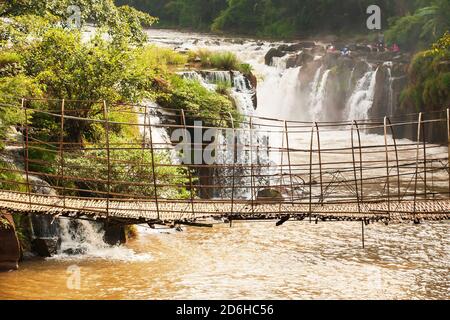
{"x": 381, "y": 47}
{"x": 395, "y": 48}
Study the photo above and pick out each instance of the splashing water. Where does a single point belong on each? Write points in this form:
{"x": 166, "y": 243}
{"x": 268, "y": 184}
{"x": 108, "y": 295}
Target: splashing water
{"x": 82, "y": 239}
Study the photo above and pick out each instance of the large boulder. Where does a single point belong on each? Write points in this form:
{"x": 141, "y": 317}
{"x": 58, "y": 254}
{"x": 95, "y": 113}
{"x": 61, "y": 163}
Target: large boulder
{"x": 299, "y": 60}
{"x": 272, "y": 53}
{"x": 270, "y": 195}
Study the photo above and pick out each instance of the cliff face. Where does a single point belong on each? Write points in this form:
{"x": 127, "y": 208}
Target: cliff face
{"x": 359, "y": 84}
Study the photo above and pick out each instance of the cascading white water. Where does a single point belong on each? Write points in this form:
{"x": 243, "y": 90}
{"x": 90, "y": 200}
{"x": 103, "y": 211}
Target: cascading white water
{"x": 81, "y": 239}
{"x": 242, "y": 94}
{"x": 318, "y": 95}
{"x": 361, "y": 100}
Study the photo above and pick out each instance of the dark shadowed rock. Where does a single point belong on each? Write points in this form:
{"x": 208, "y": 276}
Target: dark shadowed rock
{"x": 271, "y": 54}
{"x": 299, "y": 60}
{"x": 115, "y": 234}
{"x": 46, "y": 247}
{"x": 330, "y": 60}
{"x": 268, "y": 195}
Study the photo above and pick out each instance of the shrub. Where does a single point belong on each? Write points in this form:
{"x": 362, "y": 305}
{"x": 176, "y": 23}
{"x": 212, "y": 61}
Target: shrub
{"x": 10, "y": 179}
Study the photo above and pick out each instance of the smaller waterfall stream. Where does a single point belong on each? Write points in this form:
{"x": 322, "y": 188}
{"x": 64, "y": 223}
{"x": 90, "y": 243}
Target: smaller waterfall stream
{"x": 361, "y": 100}
{"x": 253, "y": 141}
{"x": 82, "y": 239}
{"x": 318, "y": 96}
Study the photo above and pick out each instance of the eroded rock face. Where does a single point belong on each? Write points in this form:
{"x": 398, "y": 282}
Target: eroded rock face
{"x": 9, "y": 245}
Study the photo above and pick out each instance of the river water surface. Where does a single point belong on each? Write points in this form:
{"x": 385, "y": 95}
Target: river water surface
{"x": 253, "y": 261}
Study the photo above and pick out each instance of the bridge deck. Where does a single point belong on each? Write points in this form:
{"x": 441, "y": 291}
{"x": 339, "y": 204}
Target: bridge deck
{"x": 166, "y": 211}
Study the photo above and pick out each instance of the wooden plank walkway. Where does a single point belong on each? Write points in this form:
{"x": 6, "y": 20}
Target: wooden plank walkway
{"x": 172, "y": 211}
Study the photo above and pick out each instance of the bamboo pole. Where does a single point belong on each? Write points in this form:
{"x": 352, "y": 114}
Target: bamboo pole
{"x": 233, "y": 174}
{"x": 24, "y": 129}
{"x": 361, "y": 174}
{"x": 388, "y": 172}
{"x": 310, "y": 173}
{"x": 61, "y": 151}
{"x": 191, "y": 185}
{"x": 108, "y": 154}
{"x": 448, "y": 138}
{"x": 289, "y": 160}
{"x": 399, "y": 185}
{"x": 283, "y": 138}
{"x": 424, "y": 137}
{"x": 154, "y": 176}
{"x": 252, "y": 179}
{"x": 320, "y": 162}
{"x": 419, "y": 129}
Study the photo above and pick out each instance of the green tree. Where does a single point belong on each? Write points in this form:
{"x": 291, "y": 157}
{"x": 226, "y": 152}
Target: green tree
{"x": 119, "y": 22}
{"x": 420, "y": 29}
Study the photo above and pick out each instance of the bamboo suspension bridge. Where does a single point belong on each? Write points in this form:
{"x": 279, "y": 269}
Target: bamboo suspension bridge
{"x": 330, "y": 171}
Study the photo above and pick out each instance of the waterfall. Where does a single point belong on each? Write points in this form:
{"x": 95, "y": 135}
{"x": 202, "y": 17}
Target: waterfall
{"x": 318, "y": 96}
{"x": 361, "y": 100}
{"x": 242, "y": 93}
{"x": 81, "y": 239}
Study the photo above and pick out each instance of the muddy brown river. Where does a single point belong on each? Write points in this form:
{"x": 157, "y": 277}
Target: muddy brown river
{"x": 252, "y": 261}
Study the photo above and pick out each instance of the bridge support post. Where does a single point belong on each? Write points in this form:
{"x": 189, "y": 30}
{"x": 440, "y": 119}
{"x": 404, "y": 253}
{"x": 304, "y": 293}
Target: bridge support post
{"x": 283, "y": 138}
{"x": 233, "y": 172}
{"x": 399, "y": 191}
{"x": 448, "y": 138}
{"x": 310, "y": 173}
{"x": 25, "y": 150}
{"x": 289, "y": 161}
{"x": 108, "y": 154}
{"x": 425, "y": 173}
{"x": 191, "y": 185}
{"x": 419, "y": 130}
{"x": 252, "y": 180}
{"x": 320, "y": 163}
{"x": 356, "y": 176}
{"x": 388, "y": 172}
{"x": 152, "y": 151}
{"x": 61, "y": 155}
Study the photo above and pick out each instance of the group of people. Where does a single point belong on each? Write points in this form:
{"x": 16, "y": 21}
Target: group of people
{"x": 380, "y": 46}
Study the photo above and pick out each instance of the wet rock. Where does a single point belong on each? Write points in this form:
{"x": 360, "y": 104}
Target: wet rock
{"x": 330, "y": 60}
{"x": 40, "y": 186}
{"x": 362, "y": 49}
{"x": 253, "y": 81}
{"x": 299, "y": 60}
{"x": 75, "y": 251}
{"x": 272, "y": 53}
{"x": 297, "y": 46}
{"x": 268, "y": 195}
{"x": 46, "y": 247}
{"x": 115, "y": 234}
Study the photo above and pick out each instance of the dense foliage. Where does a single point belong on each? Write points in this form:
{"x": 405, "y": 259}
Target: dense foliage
{"x": 429, "y": 78}
{"x": 421, "y": 28}
{"x": 44, "y": 57}
{"x": 405, "y": 21}
{"x": 119, "y": 22}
